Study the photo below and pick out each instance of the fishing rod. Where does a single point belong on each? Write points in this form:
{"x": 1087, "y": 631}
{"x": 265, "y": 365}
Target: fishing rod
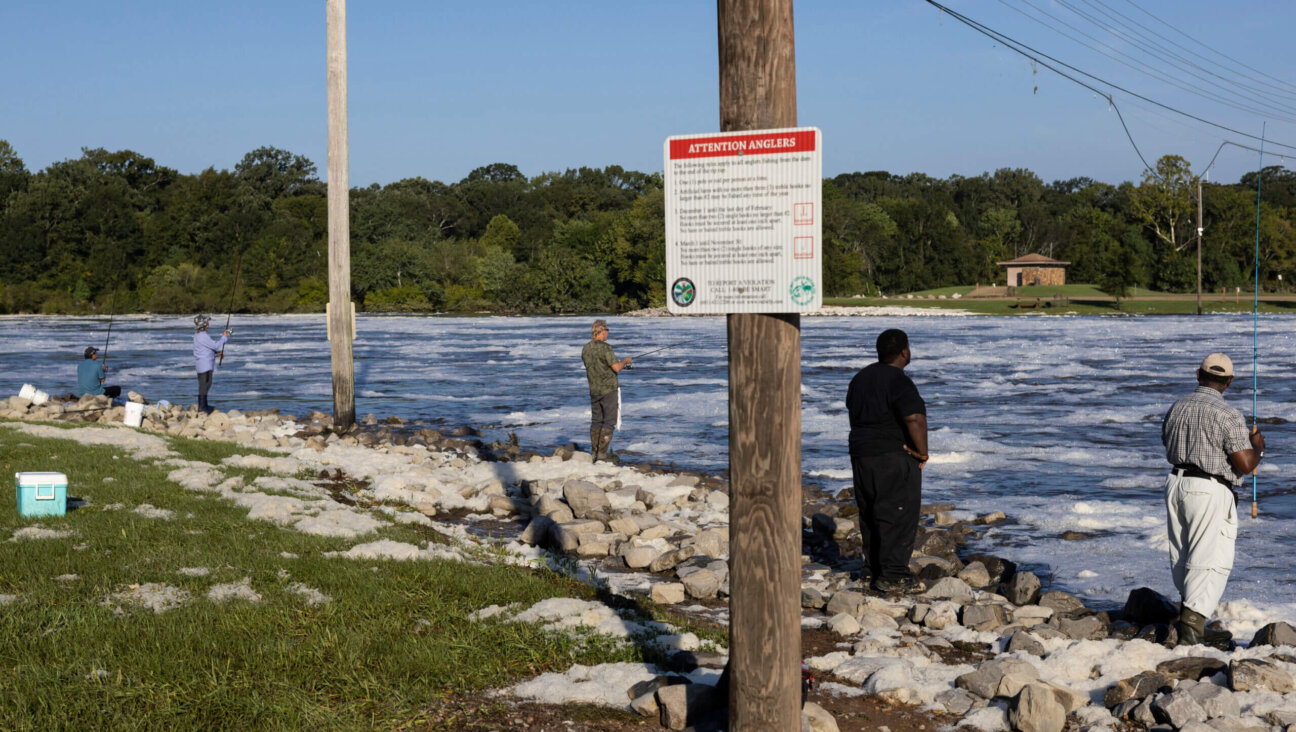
{"x": 238, "y": 264}
{"x": 1255, "y": 327}
{"x": 663, "y": 348}
{"x": 112, "y": 308}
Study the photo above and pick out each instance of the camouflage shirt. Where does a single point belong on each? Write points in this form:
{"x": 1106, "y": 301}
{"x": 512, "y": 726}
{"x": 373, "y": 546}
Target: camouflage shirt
{"x": 598, "y": 358}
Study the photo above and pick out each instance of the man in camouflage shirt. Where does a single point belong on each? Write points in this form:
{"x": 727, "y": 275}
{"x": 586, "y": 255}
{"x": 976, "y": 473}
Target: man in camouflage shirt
{"x": 1207, "y": 442}
{"x": 601, "y": 368}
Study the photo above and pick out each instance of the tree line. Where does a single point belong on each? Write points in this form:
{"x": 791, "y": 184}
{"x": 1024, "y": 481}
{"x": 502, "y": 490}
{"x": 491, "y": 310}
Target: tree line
{"x": 114, "y": 230}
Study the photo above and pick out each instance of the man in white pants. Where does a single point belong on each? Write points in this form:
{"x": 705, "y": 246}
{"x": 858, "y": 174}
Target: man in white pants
{"x": 1207, "y": 442}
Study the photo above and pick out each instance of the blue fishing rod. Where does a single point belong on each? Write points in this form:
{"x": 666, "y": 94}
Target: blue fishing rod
{"x": 1255, "y": 328}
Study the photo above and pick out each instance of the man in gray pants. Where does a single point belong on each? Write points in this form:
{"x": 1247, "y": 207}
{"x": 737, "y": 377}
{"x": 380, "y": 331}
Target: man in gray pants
{"x": 601, "y": 368}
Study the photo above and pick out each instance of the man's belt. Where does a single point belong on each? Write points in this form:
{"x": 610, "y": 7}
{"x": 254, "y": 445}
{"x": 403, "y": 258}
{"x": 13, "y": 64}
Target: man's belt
{"x": 1188, "y": 470}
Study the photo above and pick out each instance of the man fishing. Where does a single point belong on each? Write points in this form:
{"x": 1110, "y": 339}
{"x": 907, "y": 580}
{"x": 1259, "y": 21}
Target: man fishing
{"x": 888, "y": 448}
{"x": 601, "y": 369}
{"x": 205, "y": 350}
{"x": 91, "y": 375}
{"x": 1207, "y": 442}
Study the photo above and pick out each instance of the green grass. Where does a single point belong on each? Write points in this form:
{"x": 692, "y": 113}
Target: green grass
{"x": 393, "y": 640}
{"x": 946, "y": 291}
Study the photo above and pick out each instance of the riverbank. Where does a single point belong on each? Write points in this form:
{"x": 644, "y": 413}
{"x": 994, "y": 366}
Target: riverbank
{"x": 980, "y": 646}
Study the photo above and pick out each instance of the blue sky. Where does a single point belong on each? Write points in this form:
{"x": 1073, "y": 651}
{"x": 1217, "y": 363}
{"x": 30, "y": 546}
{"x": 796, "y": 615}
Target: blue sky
{"x": 439, "y": 88}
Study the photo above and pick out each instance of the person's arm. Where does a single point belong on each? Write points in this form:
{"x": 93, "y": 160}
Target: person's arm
{"x": 613, "y": 363}
{"x": 1247, "y": 460}
{"x": 916, "y": 426}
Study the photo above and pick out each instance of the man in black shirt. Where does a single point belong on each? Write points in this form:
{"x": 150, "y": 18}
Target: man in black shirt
{"x": 888, "y": 448}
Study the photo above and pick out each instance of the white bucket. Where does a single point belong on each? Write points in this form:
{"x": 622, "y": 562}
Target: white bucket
{"x": 134, "y": 414}
{"x": 39, "y": 397}
{"x": 27, "y": 392}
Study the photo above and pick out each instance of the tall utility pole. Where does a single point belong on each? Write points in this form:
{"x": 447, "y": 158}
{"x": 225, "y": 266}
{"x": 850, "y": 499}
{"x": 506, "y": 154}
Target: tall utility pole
{"x": 758, "y": 91}
{"x": 1199, "y": 238}
{"x": 340, "y": 315}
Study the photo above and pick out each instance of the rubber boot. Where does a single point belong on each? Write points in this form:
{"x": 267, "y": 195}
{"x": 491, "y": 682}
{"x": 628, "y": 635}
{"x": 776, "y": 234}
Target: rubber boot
{"x": 607, "y": 454}
{"x": 1191, "y": 627}
{"x": 202, "y": 403}
{"x": 595, "y": 447}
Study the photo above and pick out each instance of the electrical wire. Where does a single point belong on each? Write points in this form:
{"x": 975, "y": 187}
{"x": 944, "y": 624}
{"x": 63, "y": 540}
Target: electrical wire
{"x": 1038, "y": 56}
{"x": 1155, "y": 73}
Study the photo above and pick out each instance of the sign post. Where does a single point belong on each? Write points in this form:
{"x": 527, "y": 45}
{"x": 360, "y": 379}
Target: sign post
{"x": 714, "y": 254}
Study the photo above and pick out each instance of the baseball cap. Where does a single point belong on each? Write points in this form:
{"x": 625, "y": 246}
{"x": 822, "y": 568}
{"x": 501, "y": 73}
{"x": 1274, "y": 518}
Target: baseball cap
{"x": 90, "y": 351}
{"x": 1217, "y": 364}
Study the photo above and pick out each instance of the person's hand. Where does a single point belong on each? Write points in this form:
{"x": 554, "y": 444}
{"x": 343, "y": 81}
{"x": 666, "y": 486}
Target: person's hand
{"x": 626, "y": 360}
{"x": 921, "y": 458}
{"x": 228, "y": 333}
{"x": 1257, "y": 439}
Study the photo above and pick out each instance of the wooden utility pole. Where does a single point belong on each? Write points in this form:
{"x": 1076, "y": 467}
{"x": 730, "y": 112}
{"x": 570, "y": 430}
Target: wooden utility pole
{"x": 758, "y": 91}
{"x": 1199, "y": 238}
{"x": 339, "y": 221}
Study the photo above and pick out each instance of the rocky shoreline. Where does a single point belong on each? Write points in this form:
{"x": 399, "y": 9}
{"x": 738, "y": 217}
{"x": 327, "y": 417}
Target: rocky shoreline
{"x": 986, "y": 646}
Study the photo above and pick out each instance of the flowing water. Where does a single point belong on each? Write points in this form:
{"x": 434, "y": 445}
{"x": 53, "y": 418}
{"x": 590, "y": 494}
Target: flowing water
{"x": 1053, "y": 420}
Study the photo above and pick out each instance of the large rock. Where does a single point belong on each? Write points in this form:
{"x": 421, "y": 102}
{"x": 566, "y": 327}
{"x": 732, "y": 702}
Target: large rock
{"x": 1063, "y": 603}
{"x": 1275, "y": 634}
{"x": 555, "y": 509}
{"x": 668, "y": 593}
{"x": 584, "y": 497}
{"x": 1145, "y": 606}
{"x": 671, "y": 559}
{"x": 683, "y": 705}
{"x": 1216, "y": 701}
{"x": 956, "y": 701}
{"x": 702, "y": 584}
{"x": 844, "y": 624}
{"x": 1023, "y": 589}
{"x": 567, "y": 534}
{"x": 639, "y": 554}
{"x": 871, "y": 619}
{"x": 949, "y": 588}
{"x": 815, "y": 718}
{"x": 1255, "y": 674}
{"x": 712, "y": 542}
{"x": 937, "y": 544}
{"x": 941, "y": 615}
{"x": 1178, "y": 708}
{"x": 1023, "y": 641}
{"x": 1036, "y": 709}
{"x": 537, "y": 531}
{"x": 1191, "y": 667}
{"x": 983, "y": 617}
{"x": 846, "y": 601}
{"x": 1089, "y": 627}
{"x": 975, "y": 574}
{"x": 1136, "y": 687}
{"x": 1000, "y": 569}
{"x": 984, "y": 681}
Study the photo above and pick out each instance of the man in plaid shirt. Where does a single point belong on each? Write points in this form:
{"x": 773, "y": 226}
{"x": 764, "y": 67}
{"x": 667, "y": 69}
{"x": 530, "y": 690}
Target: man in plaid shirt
{"x": 1207, "y": 442}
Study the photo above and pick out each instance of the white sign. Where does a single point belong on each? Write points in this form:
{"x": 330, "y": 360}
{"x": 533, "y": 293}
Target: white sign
{"x": 744, "y": 221}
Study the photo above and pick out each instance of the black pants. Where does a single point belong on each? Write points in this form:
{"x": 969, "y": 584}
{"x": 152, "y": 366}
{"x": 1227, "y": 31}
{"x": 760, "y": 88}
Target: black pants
{"x": 112, "y": 392}
{"x": 204, "y": 384}
{"x": 603, "y": 412}
{"x": 888, "y": 491}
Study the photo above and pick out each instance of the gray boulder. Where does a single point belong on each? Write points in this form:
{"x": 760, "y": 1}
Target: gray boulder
{"x": 983, "y": 617}
{"x": 1216, "y": 701}
{"x": 815, "y": 718}
{"x": 1023, "y": 641}
{"x": 1063, "y": 603}
{"x": 949, "y": 588}
{"x": 1036, "y": 709}
{"x": 1178, "y": 708}
{"x": 1089, "y": 627}
{"x": 846, "y": 601}
{"x": 1191, "y": 667}
{"x": 1145, "y": 606}
{"x": 1141, "y": 686}
{"x": 1275, "y": 634}
{"x": 684, "y": 704}
{"x": 584, "y": 497}
{"x": 1255, "y": 674}
{"x": 1022, "y": 589}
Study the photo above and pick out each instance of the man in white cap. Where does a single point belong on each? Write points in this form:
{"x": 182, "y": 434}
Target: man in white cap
{"x": 1207, "y": 442}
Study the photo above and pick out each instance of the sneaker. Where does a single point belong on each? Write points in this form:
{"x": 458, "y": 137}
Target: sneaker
{"x": 905, "y": 586}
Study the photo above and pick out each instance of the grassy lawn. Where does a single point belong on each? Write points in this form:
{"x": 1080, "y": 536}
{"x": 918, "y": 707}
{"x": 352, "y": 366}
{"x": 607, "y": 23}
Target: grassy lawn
{"x": 390, "y": 641}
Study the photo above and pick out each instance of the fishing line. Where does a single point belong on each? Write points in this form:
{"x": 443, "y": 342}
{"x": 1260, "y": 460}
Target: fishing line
{"x": 112, "y": 308}
{"x": 238, "y": 264}
{"x": 663, "y": 348}
{"x": 1255, "y": 324}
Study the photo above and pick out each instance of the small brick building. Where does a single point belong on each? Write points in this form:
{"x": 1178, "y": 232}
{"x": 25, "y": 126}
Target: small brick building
{"x": 1035, "y": 269}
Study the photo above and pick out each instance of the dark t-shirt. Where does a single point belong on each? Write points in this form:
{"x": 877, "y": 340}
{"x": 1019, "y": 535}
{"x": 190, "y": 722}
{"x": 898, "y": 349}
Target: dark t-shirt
{"x": 879, "y": 398}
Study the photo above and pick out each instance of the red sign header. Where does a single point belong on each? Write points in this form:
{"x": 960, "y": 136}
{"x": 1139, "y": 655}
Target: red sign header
{"x": 764, "y": 143}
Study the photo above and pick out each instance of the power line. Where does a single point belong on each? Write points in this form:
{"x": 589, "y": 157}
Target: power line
{"x": 1192, "y": 57}
{"x": 1038, "y": 56}
{"x": 1208, "y": 48}
{"x": 1271, "y": 109}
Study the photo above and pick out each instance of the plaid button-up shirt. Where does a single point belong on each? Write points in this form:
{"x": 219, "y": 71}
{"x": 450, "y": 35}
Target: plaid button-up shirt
{"x": 1203, "y": 430}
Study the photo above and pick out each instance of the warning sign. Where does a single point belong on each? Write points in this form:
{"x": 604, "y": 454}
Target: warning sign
{"x": 744, "y": 224}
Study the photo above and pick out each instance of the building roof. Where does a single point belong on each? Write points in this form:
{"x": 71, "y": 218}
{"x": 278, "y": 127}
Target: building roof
{"x": 1033, "y": 260}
